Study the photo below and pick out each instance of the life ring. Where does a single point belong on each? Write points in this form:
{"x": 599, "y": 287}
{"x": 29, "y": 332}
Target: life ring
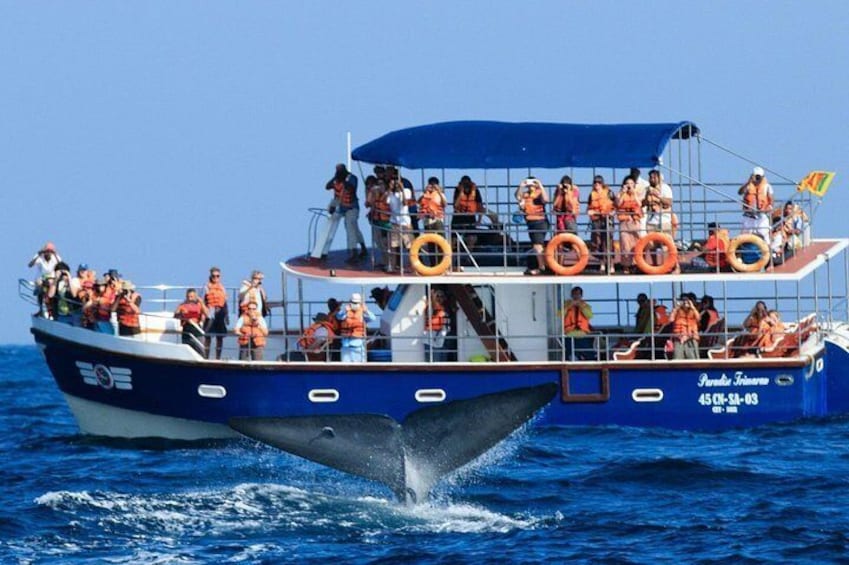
{"x": 577, "y": 244}
{"x": 416, "y": 247}
{"x": 737, "y": 263}
{"x": 660, "y": 238}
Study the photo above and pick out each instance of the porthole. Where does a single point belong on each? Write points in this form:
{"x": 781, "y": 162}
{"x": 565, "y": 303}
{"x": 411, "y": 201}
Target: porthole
{"x": 323, "y": 395}
{"x": 430, "y": 395}
{"x": 212, "y": 391}
{"x": 647, "y": 395}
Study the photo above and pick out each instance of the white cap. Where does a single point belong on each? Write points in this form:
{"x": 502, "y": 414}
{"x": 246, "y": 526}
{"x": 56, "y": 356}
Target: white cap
{"x": 356, "y": 298}
{"x": 758, "y": 172}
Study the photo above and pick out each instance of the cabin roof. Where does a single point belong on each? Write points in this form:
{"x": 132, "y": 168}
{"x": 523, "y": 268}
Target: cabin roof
{"x": 502, "y": 145}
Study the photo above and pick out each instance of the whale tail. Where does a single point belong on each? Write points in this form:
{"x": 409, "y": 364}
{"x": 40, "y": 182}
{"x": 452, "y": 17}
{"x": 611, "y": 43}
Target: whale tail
{"x": 409, "y": 457}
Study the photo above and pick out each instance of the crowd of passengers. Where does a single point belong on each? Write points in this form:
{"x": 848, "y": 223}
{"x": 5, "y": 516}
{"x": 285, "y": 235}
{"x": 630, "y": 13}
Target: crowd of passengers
{"x": 341, "y": 334}
{"x": 638, "y": 208}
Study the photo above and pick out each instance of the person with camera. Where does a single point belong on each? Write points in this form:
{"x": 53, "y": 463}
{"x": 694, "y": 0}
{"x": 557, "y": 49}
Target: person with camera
{"x": 566, "y": 206}
{"x": 577, "y": 314}
{"x": 351, "y": 323}
{"x": 192, "y": 313}
{"x": 252, "y": 331}
{"x": 45, "y": 259}
{"x": 128, "y": 308}
{"x": 757, "y": 204}
{"x": 532, "y": 198}
{"x": 344, "y": 205}
{"x": 252, "y": 291}
{"x": 600, "y": 208}
{"x": 215, "y": 298}
{"x": 398, "y": 200}
{"x": 685, "y": 329}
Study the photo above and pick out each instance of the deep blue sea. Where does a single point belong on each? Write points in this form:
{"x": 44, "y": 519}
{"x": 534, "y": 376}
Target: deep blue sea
{"x": 776, "y": 494}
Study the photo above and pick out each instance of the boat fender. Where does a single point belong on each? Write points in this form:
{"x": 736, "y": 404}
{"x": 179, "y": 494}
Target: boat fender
{"x": 737, "y": 262}
{"x": 662, "y": 239}
{"x": 416, "y": 248}
{"x": 552, "y": 249}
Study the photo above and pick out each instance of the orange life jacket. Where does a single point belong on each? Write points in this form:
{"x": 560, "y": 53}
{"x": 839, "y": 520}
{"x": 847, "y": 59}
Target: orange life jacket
{"x": 353, "y": 325}
{"x": 686, "y": 323}
{"x": 628, "y": 207}
{"x": 380, "y": 210}
{"x": 344, "y": 194}
{"x": 566, "y": 202}
{"x": 103, "y": 308}
{"x": 756, "y": 197}
{"x": 533, "y": 206}
{"x": 714, "y": 249}
{"x": 574, "y": 319}
{"x": 769, "y": 334}
{"x": 308, "y": 341}
{"x": 437, "y": 319}
{"x": 252, "y": 332}
{"x": 600, "y": 201}
{"x": 215, "y": 295}
{"x": 432, "y": 205}
{"x": 126, "y": 315}
{"x": 466, "y": 203}
{"x": 189, "y": 311}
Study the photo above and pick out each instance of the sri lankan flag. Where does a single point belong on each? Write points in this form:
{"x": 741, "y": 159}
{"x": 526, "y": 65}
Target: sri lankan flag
{"x": 816, "y": 181}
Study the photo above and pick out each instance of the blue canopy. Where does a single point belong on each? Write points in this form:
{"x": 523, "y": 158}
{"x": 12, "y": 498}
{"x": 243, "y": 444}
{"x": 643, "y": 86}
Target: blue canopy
{"x": 501, "y": 145}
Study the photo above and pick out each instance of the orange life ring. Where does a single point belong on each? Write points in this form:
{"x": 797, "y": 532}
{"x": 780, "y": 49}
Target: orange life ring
{"x": 737, "y": 263}
{"x": 416, "y": 247}
{"x": 660, "y": 238}
{"x": 577, "y": 244}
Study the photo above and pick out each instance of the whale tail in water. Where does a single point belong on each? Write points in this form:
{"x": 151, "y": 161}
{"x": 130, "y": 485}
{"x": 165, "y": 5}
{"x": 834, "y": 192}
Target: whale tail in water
{"x": 409, "y": 457}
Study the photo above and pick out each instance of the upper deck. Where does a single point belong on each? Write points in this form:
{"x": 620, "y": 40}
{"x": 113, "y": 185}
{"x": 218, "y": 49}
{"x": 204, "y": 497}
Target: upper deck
{"x": 335, "y": 269}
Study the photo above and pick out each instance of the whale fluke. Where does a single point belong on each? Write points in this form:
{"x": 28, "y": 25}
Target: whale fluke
{"x": 410, "y": 457}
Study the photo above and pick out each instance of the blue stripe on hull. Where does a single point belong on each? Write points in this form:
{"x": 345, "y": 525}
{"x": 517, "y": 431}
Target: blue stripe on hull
{"x": 691, "y": 398}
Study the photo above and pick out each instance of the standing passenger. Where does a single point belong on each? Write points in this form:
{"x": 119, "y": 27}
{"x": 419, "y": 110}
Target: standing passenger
{"x": 757, "y": 204}
{"x": 398, "y": 200}
{"x": 567, "y": 206}
{"x": 344, "y": 205}
{"x": 215, "y": 298}
{"x": 629, "y": 208}
{"x": 192, "y": 313}
{"x": 252, "y": 291}
{"x": 252, "y": 331}
{"x": 127, "y": 307}
{"x": 577, "y": 314}
{"x": 532, "y": 199}
{"x": 467, "y": 206}
{"x": 685, "y": 330}
{"x": 600, "y": 209}
{"x": 352, "y": 327}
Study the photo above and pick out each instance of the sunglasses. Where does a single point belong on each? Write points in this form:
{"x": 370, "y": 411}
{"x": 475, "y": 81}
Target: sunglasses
{"x": 216, "y": 276}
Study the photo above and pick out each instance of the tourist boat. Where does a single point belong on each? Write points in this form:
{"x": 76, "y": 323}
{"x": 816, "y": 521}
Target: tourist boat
{"x": 506, "y": 329}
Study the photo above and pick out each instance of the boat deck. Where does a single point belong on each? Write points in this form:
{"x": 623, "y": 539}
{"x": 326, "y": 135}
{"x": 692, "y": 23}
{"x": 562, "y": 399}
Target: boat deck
{"x": 336, "y": 267}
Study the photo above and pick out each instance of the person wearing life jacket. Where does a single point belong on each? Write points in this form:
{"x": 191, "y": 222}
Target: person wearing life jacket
{"x": 577, "y": 314}
{"x": 61, "y": 297}
{"x": 352, "y": 319}
{"x": 757, "y": 199}
{"x": 315, "y": 342}
{"x": 192, "y": 313}
{"x": 436, "y": 321}
{"x": 600, "y": 208}
{"x": 432, "y": 211}
{"x": 770, "y": 330}
{"x": 252, "y": 331}
{"x": 715, "y": 247}
{"x": 629, "y": 211}
{"x": 215, "y": 299}
{"x": 532, "y": 198}
{"x": 566, "y": 206}
{"x": 468, "y": 205}
{"x": 251, "y": 290}
{"x": 344, "y": 205}
{"x": 685, "y": 329}
{"x": 128, "y": 307}
{"x": 651, "y": 317}
{"x": 97, "y": 311}
{"x": 379, "y": 216}
{"x": 708, "y": 315}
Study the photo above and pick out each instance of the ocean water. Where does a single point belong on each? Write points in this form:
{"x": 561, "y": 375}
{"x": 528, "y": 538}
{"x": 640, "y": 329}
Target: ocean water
{"x": 776, "y": 494}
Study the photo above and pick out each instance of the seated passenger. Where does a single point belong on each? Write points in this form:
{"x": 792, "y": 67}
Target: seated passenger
{"x": 252, "y": 331}
{"x": 770, "y": 331}
{"x": 745, "y": 343}
{"x": 708, "y": 316}
{"x": 576, "y": 325}
{"x": 381, "y": 296}
{"x": 532, "y": 198}
{"x": 436, "y": 322}
{"x": 715, "y": 247}
{"x": 685, "y": 330}
{"x": 317, "y": 338}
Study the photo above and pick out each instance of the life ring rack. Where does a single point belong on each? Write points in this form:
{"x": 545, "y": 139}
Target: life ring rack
{"x": 669, "y": 263}
{"x": 552, "y": 248}
{"x": 416, "y": 262}
{"x": 737, "y": 263}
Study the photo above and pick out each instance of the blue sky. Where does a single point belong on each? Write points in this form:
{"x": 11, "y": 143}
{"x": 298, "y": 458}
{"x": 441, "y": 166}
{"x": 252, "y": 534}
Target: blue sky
{"x": 163, "y": 137}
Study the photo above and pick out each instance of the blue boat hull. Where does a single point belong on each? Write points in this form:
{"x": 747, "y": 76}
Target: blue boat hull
{"x": 703, "y": 396}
